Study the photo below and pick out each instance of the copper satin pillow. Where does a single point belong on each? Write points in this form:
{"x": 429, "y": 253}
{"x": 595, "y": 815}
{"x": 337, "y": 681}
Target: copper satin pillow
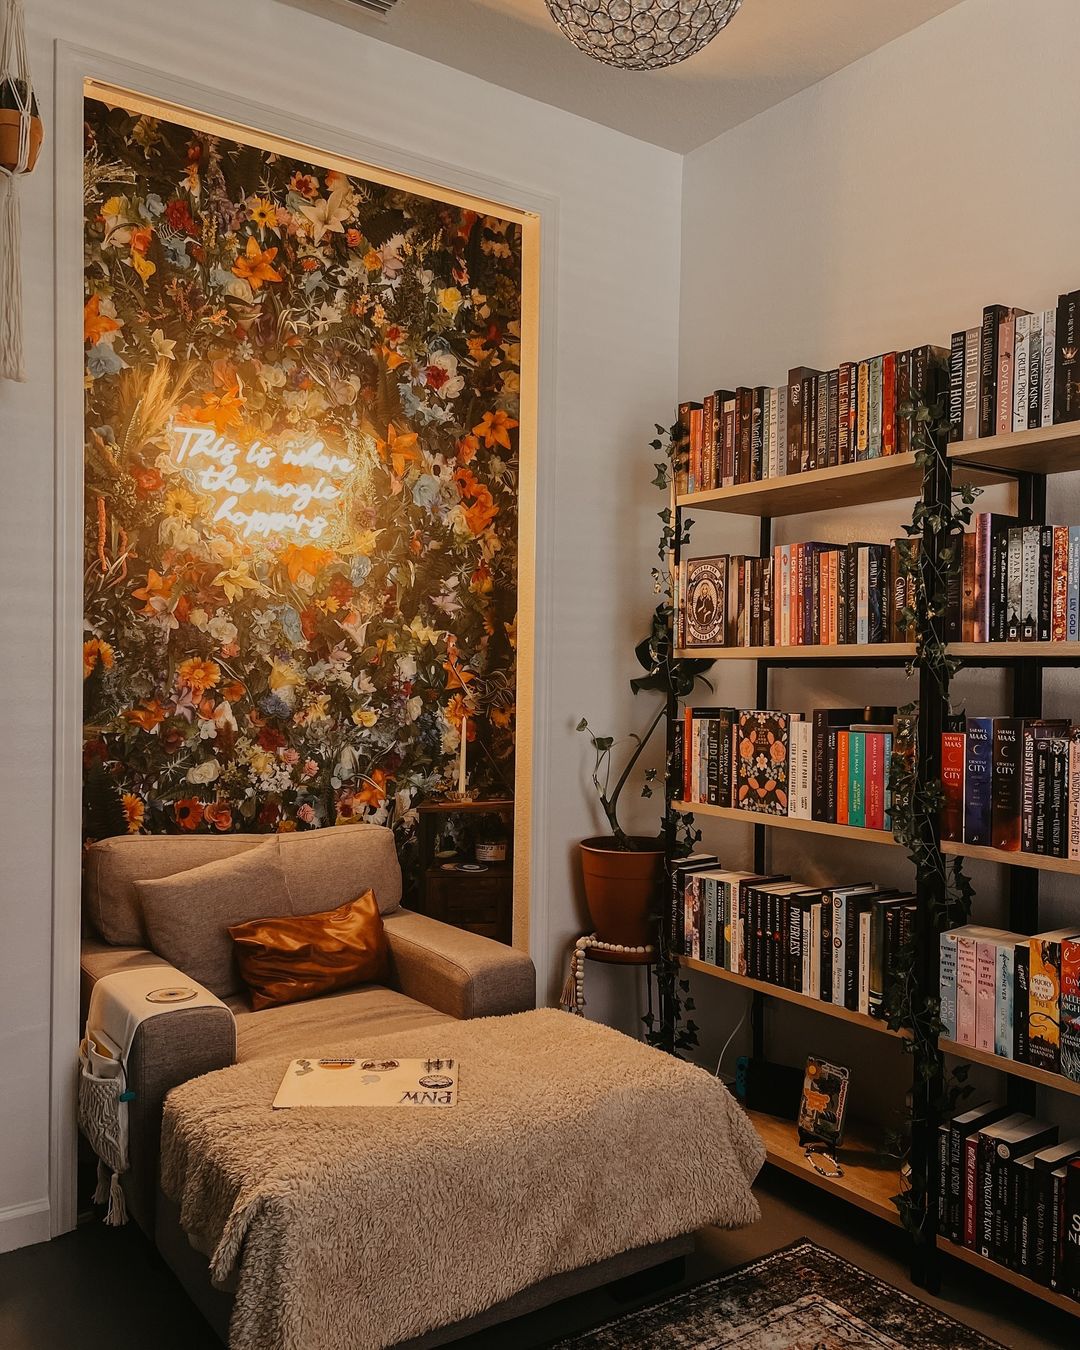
{"x": 283, "y": 960}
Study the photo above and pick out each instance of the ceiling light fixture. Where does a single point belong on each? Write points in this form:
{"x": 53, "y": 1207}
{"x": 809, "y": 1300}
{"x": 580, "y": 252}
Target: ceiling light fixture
{"x": 642, "y": 34}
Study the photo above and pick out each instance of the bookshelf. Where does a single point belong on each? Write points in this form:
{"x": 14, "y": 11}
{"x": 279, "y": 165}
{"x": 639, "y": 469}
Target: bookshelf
{"x": 1024, "y": 459}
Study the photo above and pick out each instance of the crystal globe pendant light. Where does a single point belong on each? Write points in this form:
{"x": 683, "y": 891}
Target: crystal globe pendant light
{"x": 642, "y": 34}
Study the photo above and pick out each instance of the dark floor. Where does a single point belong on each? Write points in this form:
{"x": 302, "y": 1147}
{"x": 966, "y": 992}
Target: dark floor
{"x": 105, "y": 1289}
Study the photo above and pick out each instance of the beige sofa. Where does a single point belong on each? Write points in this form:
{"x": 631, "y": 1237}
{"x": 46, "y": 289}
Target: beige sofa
{"x": 437, "y": 972}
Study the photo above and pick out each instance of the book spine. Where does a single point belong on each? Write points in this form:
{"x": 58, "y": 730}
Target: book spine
{"x": 807, "y": 440}
{"x": 757, "y": 435}
{"x": 971, "y": 384}
{"x": 947, "y": 985}
{"x": 971, "y": 1189}
{"x": 727, "y": 454}
{"x": 1021, "y": 972}
{"x": 1049, "y": 367}
{"x": 874, "y": 434}
{"x": 1059, "y": 583}
{"x": 781, "y": 432}
{"x": 1043, "y": 986}
{"x": 1006, "y": 794}
{"x": 1074, "y": 794}
{"x": 1072, "y": 609}
{"x": 956, "y": 387}
{"x": 708, "y": 443}
{"x": 903, "y": 401}
{"x": 985, "y": 996}
{"x": 826, "y": 950}
{"x": 1067, "y": 359}
{"x": 1003, "y": 1003}
{"x": 953, "y": 757}
{"x": 1034, "y": 371}
{"x": 794, "y": 426}
{"x": 1045, "y": 586}
{"x": 1018, "y": 420}
{"x": 875, "y": 780}
{"x": 821, "y": 421}
{"x": 965, "y": 990}
{"x": 832, "y": 437}
{"x": 988, "y": 368}
{"x": 1004, "y": 393}
{"x": 862, "y": 413}
{"x": 845, "y": 407}
{"x": 839, "y": 930}
{"x": 978, "y": 780}
{"x": 888, "y": 404}
{"x": 857, "y": 779}
{"x": 1070, "y": 1009}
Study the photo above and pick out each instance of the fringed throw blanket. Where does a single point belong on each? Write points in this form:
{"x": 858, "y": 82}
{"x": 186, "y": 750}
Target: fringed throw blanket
{"x": 361, "y": 1227}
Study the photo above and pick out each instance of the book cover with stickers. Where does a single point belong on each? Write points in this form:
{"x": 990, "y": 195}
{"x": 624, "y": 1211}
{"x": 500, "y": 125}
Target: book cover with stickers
{"x": 762, "y": 769}
{"x": 704, "y": 609}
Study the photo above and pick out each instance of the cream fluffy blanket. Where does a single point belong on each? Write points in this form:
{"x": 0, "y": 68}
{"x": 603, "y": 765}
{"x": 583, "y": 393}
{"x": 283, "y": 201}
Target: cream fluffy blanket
{"x": 362, "y": 1227}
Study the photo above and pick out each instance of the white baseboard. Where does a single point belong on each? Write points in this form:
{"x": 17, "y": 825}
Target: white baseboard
{"x": 23, "y": 1225}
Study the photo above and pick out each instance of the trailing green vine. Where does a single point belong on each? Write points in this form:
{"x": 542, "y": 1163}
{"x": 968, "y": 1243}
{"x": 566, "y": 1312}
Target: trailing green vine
{"x": 931, "y": 560}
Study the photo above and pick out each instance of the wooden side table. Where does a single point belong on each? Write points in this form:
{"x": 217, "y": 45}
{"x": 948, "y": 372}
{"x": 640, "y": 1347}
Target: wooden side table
{"x": 480, "y": 902}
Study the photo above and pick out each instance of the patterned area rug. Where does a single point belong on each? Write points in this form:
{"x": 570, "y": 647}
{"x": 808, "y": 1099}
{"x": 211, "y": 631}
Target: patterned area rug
{"x": 799, "y": 1298}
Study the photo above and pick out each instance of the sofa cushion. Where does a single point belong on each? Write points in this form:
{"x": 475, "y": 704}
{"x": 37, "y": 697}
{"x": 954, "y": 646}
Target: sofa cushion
{"x": 327, "y": 868}
{"x": 188, "y": 915}
{"x": 114, "y": 865}
{"x": 318, "y": 1024}
{"x": 304, "y": 955}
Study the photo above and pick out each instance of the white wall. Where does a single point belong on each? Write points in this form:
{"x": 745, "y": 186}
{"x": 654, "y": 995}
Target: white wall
{"x": 877, "y": 210}
{"x": 612, "y": 374}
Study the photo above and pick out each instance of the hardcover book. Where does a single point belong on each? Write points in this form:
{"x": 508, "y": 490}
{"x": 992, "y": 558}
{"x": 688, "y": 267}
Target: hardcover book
{"x": 761, "y": 783}
{"x": 953, "y": 764}
{"x": 1006, "y": 794}
{"x": 704, "y": 602}
{"x": 1044, "y": 991}
{"x": 978, "y": 765}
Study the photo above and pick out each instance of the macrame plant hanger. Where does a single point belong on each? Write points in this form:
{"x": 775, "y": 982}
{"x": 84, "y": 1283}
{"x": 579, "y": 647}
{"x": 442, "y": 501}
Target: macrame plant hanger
{"x": 20, "y": 141}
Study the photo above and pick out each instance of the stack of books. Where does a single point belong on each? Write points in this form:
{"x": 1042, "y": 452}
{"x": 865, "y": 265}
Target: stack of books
{"x": 1012, "y": 783}
{"x": 817, "y": 419}
{"x": 804, "y": 594}
{"x": 1016, "y": 370}
{"x": 838, "y": 944}
{"x": 833, "y": 767}
{"x": 1011, "y": 1192}
{"x": 1014, "y": 996}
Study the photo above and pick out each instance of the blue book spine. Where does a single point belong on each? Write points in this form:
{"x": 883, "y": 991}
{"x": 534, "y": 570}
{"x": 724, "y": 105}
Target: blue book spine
{"x": 1003, "y": 1019}
{"x": 708, "y": 900}
{"x": 1073, "y": 604}
{"x": 978, "y": 780}
{"x": 947, "y": 987}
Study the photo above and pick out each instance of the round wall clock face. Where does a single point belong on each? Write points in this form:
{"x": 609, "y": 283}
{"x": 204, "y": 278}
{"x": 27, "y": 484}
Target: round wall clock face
{"x": 705, "y": 604}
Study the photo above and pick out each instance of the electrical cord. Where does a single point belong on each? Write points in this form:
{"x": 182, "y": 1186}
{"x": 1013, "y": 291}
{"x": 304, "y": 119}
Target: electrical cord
{"x": 727, "y": 1043}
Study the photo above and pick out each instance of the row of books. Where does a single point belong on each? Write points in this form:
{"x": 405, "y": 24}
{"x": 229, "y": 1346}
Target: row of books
{"x": 1013, "y": 996}
{"x": 811, "y": 593}
{"x": 1010, "y": 1190}
{"x": 1016, "y": 370}
{"x": 839, "y": 944}
{"x": 1012, "y": 783}
{"x": 1019, "y": 583}
{"x": 817, "y": 419}
{"x": 833, "y": 767}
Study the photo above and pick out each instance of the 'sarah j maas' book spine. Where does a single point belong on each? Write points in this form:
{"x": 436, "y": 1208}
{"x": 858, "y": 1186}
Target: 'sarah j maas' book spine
{"x": 953, "y": 764}
{"x": 1067, "y": 365}
{"x": 1006, "y": 794}
{"x": 978, "y": 780}
{"x": 988, "y": 367}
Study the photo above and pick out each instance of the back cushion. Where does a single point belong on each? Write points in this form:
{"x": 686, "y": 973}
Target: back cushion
{"x": 114, "y": 865}
{"x": 331, "y": 867}
{"x": 188, "y": 915}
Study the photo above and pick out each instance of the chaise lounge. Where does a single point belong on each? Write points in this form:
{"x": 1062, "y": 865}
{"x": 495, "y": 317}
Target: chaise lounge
{"x": 441, "y": 980}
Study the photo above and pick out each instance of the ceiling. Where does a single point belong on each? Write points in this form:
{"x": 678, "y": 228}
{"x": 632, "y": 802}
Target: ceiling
{"x": 771, "y": 50}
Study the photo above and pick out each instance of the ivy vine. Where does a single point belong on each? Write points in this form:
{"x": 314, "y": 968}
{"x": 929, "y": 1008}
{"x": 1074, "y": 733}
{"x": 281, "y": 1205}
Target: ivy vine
{"x": 931, "y": 561}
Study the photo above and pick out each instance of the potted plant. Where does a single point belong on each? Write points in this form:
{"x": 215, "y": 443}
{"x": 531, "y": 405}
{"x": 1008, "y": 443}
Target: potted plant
{"x": 622, "y": 871}
{"x": 13, "y": 95}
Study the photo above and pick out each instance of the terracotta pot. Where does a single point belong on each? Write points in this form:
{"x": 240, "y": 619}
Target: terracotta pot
{"x": 9, "y": 139}
{"x": 621, "y": 889}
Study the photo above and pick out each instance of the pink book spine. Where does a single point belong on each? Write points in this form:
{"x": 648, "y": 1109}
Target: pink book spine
{"x": 985, "y": 995}
{"x": 965, "y": 990}
{"x": 1006, "y": 339}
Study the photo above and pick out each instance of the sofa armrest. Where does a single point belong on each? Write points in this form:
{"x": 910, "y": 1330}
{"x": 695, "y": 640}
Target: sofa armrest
{"x": 457, "y": 972}
{"x": 169, "y": 1049}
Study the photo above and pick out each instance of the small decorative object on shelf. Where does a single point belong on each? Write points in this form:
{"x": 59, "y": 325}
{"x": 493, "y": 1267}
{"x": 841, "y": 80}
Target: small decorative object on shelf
{"x": 492, "y": 844}
{"x": 457, "y": 885}
{"x": 591, "y": 948}
{"x": 642, "y": 34}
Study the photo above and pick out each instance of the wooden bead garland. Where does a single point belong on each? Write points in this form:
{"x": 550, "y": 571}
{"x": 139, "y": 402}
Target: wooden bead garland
{"x": 573, "y": 995}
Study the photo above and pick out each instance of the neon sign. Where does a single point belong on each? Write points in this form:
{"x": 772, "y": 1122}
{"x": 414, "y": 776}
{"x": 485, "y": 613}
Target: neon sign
{"x": 260, "y": 490}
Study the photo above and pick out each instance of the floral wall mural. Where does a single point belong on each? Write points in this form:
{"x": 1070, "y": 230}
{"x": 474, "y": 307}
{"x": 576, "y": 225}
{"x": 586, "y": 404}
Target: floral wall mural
{"x": 301, "y": 487}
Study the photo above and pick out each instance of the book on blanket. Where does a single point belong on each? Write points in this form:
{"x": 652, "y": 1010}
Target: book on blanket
{"x": 345, "y": 1081}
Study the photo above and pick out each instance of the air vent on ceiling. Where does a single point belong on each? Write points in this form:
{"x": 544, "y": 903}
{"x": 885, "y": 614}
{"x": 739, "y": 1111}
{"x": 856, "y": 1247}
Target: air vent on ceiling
{"x": 376, "y": 6}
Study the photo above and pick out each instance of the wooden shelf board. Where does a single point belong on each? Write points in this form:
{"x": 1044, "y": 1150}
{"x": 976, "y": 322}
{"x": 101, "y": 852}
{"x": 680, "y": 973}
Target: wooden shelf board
{"x": 844, "y": 651}
{"x": 1040, "y": 862}
{"x": 1013, "y": 1277}
{"x": 1056, "y": 1081}
{"x": 1044, "y": 450}
{"x": 1045, "y": 650}
{"x": 869, "y": 1181}
{"x": 888, "y": 478}
{"x": 787, "y": 823}
{"x": 790, "y": 996}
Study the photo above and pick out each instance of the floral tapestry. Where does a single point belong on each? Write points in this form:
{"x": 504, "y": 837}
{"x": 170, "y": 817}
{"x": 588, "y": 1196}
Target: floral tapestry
{"x": 301, "y": 488}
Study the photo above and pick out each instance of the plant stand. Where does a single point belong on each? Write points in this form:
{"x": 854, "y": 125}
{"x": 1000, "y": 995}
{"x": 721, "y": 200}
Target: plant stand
{"x": 590, "y": 948}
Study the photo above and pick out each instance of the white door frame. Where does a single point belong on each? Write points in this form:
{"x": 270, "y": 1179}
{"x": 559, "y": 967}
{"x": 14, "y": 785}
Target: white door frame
{"x": 73, "y": 66}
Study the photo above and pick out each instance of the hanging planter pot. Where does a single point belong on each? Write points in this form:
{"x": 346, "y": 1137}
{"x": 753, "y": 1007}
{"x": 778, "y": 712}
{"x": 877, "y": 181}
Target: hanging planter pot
{"x": 12, "y": 97}
{"x": 20, "y": 142}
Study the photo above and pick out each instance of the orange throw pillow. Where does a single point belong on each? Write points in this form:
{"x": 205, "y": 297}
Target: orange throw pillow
{"x": 298, "y": 956}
